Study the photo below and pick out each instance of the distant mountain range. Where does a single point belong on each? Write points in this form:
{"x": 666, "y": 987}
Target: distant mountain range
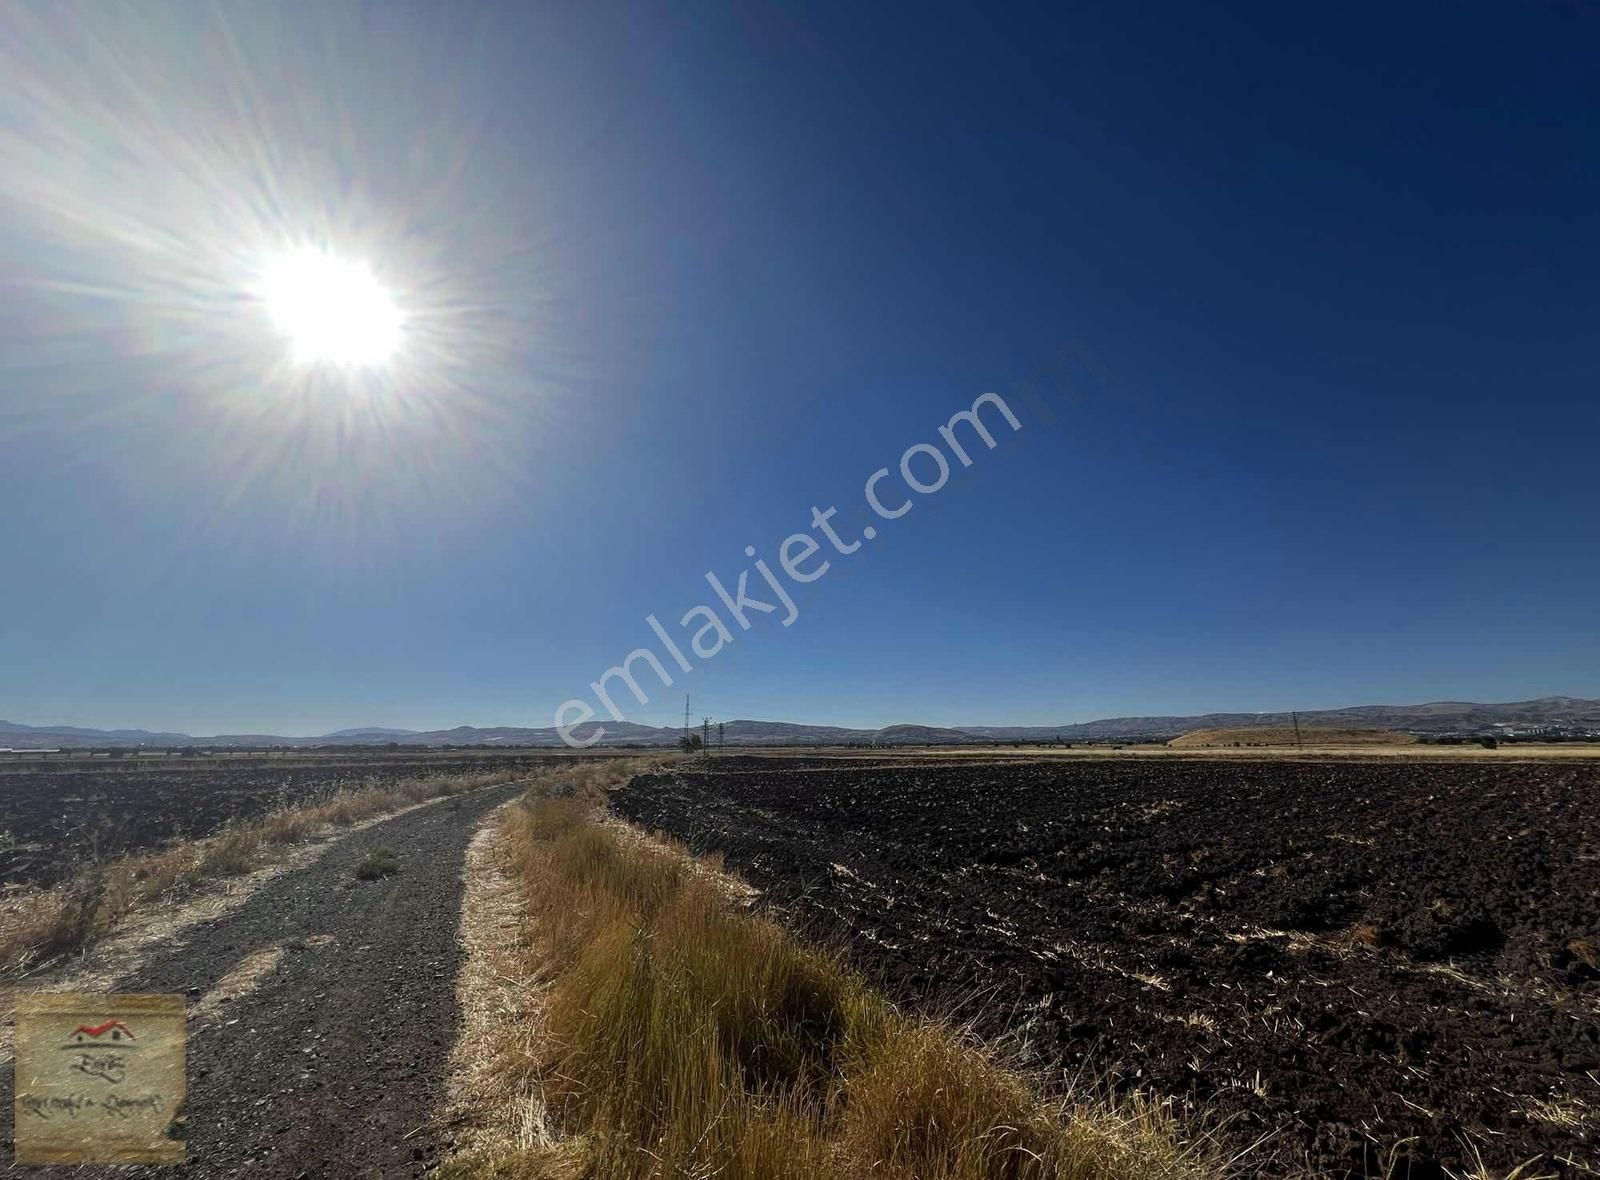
{"x": 1436, "y": 717}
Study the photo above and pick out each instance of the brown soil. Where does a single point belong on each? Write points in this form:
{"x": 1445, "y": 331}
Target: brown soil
{"x": 1379, "y": 966}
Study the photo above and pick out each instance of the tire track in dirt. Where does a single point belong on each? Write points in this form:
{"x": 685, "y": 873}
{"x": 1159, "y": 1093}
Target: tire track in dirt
{"x": 335, "y": 1063}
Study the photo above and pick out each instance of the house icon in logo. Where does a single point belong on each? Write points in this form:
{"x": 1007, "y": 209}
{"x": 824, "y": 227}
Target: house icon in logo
{"x": 102, "y": 1034}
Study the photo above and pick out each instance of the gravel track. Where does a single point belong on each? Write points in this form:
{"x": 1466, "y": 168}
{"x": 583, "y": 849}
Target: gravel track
{"x": 335, "y": 1064}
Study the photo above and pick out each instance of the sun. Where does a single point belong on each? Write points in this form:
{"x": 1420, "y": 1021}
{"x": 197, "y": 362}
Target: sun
{"x": 331, "y": 310}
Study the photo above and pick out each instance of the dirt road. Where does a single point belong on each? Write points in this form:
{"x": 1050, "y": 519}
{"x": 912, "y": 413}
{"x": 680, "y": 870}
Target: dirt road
{"x": 331, "y": 1060}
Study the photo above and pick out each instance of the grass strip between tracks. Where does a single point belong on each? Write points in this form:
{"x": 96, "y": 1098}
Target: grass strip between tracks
{"x": 39, "y": 926}
{"x": 679, "y": 1035}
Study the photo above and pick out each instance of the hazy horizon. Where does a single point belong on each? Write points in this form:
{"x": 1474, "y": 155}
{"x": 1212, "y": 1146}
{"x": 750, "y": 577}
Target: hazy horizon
{"x": 311, "y": 730}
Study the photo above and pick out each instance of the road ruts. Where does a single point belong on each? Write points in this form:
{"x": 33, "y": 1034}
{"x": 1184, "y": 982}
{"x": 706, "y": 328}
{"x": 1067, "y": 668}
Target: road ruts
{"x": 335, "y": 1064}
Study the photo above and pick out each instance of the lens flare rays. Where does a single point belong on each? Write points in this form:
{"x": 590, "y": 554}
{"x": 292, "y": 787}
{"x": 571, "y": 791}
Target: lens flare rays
{"x": 269, "y": 256}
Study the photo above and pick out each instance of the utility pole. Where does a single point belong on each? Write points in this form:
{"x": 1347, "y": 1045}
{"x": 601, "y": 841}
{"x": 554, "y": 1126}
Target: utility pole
{"x": 686, "y": 720}
{"x": 705, "y": 735}
{"x": 1296, "y": 717}
{"x": 721, "y": 737}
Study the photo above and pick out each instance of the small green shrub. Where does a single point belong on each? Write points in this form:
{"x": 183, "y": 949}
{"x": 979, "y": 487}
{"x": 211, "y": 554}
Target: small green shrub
{"x": 377, "y": 864}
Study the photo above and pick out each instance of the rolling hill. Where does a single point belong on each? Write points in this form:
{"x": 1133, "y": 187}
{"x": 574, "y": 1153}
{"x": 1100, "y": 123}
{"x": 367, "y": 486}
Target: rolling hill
{"x": 1433, "y": 717}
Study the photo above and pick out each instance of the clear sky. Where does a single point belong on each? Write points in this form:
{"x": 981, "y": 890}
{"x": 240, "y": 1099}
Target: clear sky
{"x": 1312, "y": 294}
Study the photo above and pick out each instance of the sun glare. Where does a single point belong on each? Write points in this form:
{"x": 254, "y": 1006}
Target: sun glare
{"x": 332, "y": 311}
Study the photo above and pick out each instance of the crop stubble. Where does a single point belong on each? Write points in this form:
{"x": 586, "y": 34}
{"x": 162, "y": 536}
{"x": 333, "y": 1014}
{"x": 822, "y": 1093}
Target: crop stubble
{"x": 1345, "y": 956}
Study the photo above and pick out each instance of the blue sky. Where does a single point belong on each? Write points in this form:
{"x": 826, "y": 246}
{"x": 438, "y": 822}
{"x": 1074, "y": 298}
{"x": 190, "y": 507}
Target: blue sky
{"x": 1312, "y": 295}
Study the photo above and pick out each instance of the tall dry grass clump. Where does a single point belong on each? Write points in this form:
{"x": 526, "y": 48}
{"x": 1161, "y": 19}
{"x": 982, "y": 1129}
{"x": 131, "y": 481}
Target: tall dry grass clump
{"x": 41, "y": 925}
{"x": 683, "y": 1036}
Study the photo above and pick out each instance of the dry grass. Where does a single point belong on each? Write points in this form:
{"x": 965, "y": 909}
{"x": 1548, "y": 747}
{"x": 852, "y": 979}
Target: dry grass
{"x": 682, "y": 1036}
{"x": 501, "y": 1013}
{"x": 1366, "y": 934}
{"x": 1478, "y": 1170}
{"x": 41, "y": 925}
{"x": 232, "y": 853}
{"x": 1283, "y": 735}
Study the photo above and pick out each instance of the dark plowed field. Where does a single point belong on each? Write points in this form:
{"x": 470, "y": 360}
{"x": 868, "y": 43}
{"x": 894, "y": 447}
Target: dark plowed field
{"x": 53, "y": 818}
{"x": 1381, "y": 966}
